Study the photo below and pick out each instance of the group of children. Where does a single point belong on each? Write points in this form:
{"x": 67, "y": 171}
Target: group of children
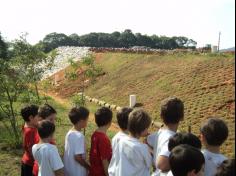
{"x": 132, "y": 152}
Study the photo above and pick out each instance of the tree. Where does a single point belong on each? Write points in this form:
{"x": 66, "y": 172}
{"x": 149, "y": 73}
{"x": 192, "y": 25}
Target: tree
{"x": 3, "y": 48}
{"x": 127, "y": 39}
{"x": 12, "y": 85}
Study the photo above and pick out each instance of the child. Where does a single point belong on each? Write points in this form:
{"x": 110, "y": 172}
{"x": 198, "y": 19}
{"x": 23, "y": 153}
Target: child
{"x": 101, "y": 151}
{"x": 133, "y": 156}
{"x": 30, "y": 137}
{"x": 227, "y": 168}
{"x": 46, "y": 112}
{"x": 172, "y": 112}
{"x": 122, "y": 119}
{"x": 183, "y": 138}
{"x": 46, "y": 154}
{"x": 75, "y": 148}
{"x": 186, "y": 160}
{"x": 213, "y": 134}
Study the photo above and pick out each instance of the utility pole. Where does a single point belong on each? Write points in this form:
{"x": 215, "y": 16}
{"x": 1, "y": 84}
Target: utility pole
{"x": 219, "y": 42}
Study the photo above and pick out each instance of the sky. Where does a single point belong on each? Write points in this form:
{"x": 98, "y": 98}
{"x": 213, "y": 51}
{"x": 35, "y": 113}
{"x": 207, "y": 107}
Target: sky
{"x": 201, "y": 20}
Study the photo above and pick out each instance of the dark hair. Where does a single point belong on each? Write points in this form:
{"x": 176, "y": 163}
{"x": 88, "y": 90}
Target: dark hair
{"x": 46, "y": 110}
{"x": 139, "y": 120}
{"x": 227, "y": 168}
{"x": 45, "y": 129}
{"x": 215, "y": 131}
{"x": 184, "y": 159}
{"x": 29, "y": 110}
{"x": 103, "y": 116}
{"x": 172, "y": 110}
{"x": 78, "y": 113}
{"x": 123, "y": 117}
{"x": 184, "y": 138}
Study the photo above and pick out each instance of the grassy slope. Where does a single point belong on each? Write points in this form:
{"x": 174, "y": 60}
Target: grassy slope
{"x": 205, "y": 83}
{"x": 10, "y": 159}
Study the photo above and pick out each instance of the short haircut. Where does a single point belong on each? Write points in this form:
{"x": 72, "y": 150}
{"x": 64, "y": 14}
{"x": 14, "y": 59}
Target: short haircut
{"x": 139, "y": 120}
{"x": 78, "y": 113}
{"x": 184, "y": 138}
{"x": 29, "y": 110}
{"x": 46, "y": 110}
{"x": 184, "y": 159}
{"x": 172, "y": 110}
{"x": 103, "y": 116}
{"x": 123, "y": 117}
{"x": 215, "y": 131}
{"x": 45, "y": 129}
{"x": 227, "y": 168}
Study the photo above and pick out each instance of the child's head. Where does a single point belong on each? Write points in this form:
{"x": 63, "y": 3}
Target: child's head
{"x": 103, "y": 117}
{"x": 122, "y": 118}
{"x": 46, "y": 129}
{"x": 30, "y": 114}
{"x": 172, "y": 110}
{"x": 47, "y": 112}
{"x": 186, "y": 160}
{"x": 227, "y": 168}
{"x": 214, "y": 132}
{"x": 184, "y": 138}
{"x": 79, "y": 115}
{"x": 138, "y": 123}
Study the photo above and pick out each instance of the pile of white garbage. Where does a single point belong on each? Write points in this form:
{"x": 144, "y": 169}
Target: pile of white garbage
{"x": 64, "y": 55}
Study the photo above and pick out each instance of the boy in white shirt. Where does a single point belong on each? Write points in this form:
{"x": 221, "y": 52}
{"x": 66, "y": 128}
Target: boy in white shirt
{"x": 172, "y": 112}
{"x": 133, "y": 156}
{"x": 75, "y": 148}
{"x": 46, "y": 154}
{"x": 122, "y": 120}
{"x": 214, "y": 132}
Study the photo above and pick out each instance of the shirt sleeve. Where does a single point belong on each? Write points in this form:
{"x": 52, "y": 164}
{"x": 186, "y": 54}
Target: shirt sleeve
{"x": 104, "y": 148}
{"x": 164, "y": 150}
{"x": 79, "y": 144}
{"x": 55, "y": 159}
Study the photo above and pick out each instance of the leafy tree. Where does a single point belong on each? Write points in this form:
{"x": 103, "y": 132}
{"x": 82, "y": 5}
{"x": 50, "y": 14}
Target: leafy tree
{"x": 3, "y": 48}
{"x": 12, "y": 85}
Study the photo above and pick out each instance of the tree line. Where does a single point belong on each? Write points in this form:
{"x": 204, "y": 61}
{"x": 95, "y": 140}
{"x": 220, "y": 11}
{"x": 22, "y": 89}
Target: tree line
{"x": 125, "y": 39}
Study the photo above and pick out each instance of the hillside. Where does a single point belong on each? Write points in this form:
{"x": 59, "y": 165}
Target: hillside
{"x": 204, "y": 82}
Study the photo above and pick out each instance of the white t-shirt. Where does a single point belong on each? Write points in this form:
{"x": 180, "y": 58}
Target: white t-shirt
{"x": 74, "y": 145}
{"x": 160, "y": 141}
{"x": 134, "y": 158}
{"x": 115, "y": 160}
{"x": 170, "y": 173}
{"x": 48, "y": 159}
{"x": 212, "y": 162}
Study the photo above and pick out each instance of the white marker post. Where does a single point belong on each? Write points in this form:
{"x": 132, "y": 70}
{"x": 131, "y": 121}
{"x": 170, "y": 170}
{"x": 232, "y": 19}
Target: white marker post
{"x": 132, "y": 100}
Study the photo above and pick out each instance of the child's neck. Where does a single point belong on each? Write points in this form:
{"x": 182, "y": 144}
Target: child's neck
{"x": 28, "y": 124}
{"x": 45, "y": 140}
{"x": 124, "y": 131}
{"x": 77, "y": 128}
{"x": 136, "y": 137}
{"x": 102, "y": 129}
{"x": 171, "y": 127}
{"x": 213, "y": 149}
